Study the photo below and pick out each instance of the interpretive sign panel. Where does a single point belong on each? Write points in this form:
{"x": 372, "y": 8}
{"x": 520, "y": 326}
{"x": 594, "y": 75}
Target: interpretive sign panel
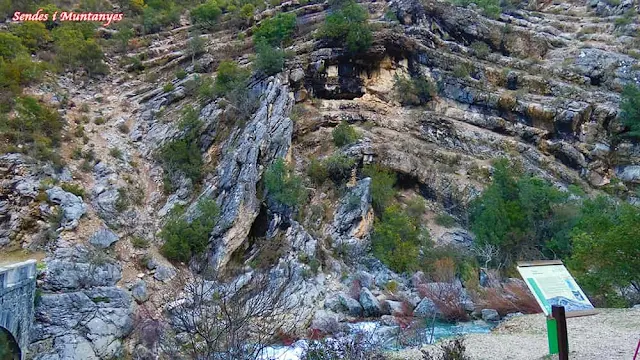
{"x": 551, "y": 284}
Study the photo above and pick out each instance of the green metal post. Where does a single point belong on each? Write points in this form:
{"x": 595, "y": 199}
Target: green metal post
{"x": 552, "y": 335}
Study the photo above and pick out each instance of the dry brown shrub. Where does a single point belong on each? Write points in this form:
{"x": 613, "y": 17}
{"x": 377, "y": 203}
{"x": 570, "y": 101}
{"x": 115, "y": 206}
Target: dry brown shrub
{"x": 510, "y": 298}
{"x": 448, "y": 298}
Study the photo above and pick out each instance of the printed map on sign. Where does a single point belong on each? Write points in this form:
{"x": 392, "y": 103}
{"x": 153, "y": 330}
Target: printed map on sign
{"x": 552, "y": 284}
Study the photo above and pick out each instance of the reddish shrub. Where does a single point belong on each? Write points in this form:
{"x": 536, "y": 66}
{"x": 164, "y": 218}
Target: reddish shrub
{"x": 448, "y": 298}
{"x": 284, "y": 338}
{"x": 510, "y": 298}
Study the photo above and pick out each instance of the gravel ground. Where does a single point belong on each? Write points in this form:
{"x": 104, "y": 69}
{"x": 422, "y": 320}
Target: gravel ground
{"x": 611, "y": 334}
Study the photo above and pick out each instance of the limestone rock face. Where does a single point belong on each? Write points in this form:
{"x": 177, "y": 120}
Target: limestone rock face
{"x": 87, "y": 317}
{"x": 266, "y": 136}
{"x": 353, "y": 218}
{"x": 103, "y": 238}
{"x": 72, "y": 206}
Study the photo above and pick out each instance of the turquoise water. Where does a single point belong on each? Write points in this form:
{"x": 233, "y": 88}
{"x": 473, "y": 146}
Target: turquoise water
{"x": 387, "y": 337}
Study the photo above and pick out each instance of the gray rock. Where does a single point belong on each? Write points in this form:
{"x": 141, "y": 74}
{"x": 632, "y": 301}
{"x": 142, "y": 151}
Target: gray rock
{"x": 164, "y": 273}
{"x": 327, "y": 322}
{"x": 265, "y": 137}
{"x": 490, "y": 315}
{"x": 353, "y": 209}
{"x": 427, "y": 309}
{"x": 296, "y": 75}
{"x": 457, "y": 237}
{"x": 392, "y": 307}
{"x": 370, "y": 303}
{"x": 350, "y": 305}
{"x": 77, "y": 268}
{"x": 366, "y": 280}
{"x": 87, "y": 324}
{"x": 630, "y": 173}
{"x": 139, "y": 291}
{"x": 103, "y": 238}
{"x": 72, "y": 206}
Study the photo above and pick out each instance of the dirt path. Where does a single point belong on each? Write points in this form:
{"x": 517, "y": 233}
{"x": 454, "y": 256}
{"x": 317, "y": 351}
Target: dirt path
{"x": 611, "y": 334}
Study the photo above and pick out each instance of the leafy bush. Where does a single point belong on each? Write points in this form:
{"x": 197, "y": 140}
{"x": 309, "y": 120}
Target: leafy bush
{"x": 413, "y": 91}
{"x": 181, "y": 74}
{"x": 481, "y": 49}
{"x": 397, "y": 240}
{"x": 76, "y": 48}
{"x": 73, "y": 188}
{"x": 630, "y": 111}
{"x": 344, "y": 134}
{"x": 445, "y": 220}
{"x": 317, "y": 171}
{"x": 10, "y": 46}
{"x": 338, "y": 167}
{"x": 35, "y": 126}
{"x": 33, "y": 34}
{"x": 382, "y": 182}
{"x": 182, "y": 155}
{"x": 349, "y": 24}
{"x": 168, "y": 87}
{"x": 158, "y": 14}
{"x": 184, "y": 239}
{"x": 519, "y": 214}
{"x": 606, "y": 252}
{"x": 230, "y": 77}
{"x": 275, "y": 31}
{"x": 139, "y": 243}
{"x": 282, "y": 185}
{"x": 206, "y": 14}
{"x": 269, "y": 60}
{"x": 490, "y": 8}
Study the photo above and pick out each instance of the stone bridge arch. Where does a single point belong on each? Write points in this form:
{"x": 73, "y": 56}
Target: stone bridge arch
{"x": 17, "y": 290}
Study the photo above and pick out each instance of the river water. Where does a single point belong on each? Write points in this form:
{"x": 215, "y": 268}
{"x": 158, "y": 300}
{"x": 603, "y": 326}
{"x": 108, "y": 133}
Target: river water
{"x": 386, "y": 337}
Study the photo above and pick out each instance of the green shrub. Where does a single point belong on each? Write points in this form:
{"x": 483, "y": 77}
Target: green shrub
{"x": 382, "y": 182}
{"x": 230, "y": 77}
{"x": 413, "y": 91}
{"x": 247, "y": 10}
{"x": 116, "y": 153}
{"x": 317, "y": 171}
{"x": 168, "y": 87}
{"x": 269, "y": 60}
{"x": 182, "y": 155}
{"x": 206, "y": 15}
{"x": 490, "y": 8}
{"x": 397, "y": 240}
{"x": 519, "y": 214}
{"x": 184, "y": 239}
{"x": 158, "y": 14}
{"x": 75, "y": 48}
{"x": 606, "y": 252}
{"x": 445, "y": 220}
{"x": 33, "y": 125}
{"x": 462, "y": 70}
{"x": 139, "y": 243}
{"x": 10, "y": 46}
{"x": 630, "y": 111}
{"x": 181, "y": 74}
{"x": 481, "y": 49}
{"x": 349, "y": 24}
{"x": 32, "y": 34}
{"x": 99, "y": 121}
{"x": 282, "y": 185}
{"x": 338, "y": 167}
{"x": 344, "y": 134}
{"x": 275, "y": 31}
{"x": 73, "y": 188}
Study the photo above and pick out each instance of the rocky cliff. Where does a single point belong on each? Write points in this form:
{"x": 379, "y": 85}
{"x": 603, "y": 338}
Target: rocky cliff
{"x": 540, "y": 85}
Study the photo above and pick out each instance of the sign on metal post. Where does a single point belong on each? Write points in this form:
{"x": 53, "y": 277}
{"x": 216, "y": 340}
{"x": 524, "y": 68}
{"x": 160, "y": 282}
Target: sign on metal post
{"x": 552, "y": 285}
